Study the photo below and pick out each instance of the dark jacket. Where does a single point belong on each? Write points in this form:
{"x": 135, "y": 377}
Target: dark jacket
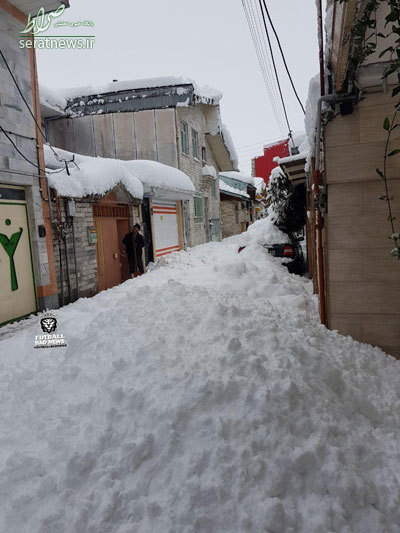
{"x": 134, "y": 244}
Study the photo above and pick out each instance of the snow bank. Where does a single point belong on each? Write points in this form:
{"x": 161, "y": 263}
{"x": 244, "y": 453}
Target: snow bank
{"x": 204, "y": 93}
{"x": 224, "y": 187}
{"x": 204, "y": 396}
{"x": 98, "y": 175}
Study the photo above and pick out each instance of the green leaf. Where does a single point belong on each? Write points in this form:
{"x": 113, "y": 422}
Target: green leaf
{"x": 380, "y": 173}
{"x": 394, "y": 152}
{"x": 386, "y": 50}
{"x": 386, "y": 124}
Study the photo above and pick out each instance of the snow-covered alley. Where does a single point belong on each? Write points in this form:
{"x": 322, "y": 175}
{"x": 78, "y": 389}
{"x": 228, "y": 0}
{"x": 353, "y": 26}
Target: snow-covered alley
{"x": 203, "y": 396}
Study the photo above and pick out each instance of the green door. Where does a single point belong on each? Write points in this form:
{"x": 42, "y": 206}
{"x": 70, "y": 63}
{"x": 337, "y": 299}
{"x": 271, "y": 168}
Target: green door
{"x": 17, "y": 287}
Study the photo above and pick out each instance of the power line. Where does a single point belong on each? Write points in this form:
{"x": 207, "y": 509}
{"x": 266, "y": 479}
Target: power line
{"x": 26, "y": 103}
{"x": 25, "y": 157}
{"x": 275, "y": 70}
{"x": 253, "y": 21}
{"x": 283, "y": 57}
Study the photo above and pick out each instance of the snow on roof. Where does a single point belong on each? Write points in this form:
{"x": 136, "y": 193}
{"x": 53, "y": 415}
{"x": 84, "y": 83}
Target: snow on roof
{"x": 260, "y": 185}
{"x": 154, "y": 174}
{"x": 233, "y": 174}
{"x": 98, "y": 175}
{"x": 310, "y": 119}
{"x": 300, "y": 140}
{"x": 205, "y": 93}
{"x": 52, "y": 99}
{"x": 209, "y": 170}
{"x": 228, "y": 141}
{"x": 232, "y": 190}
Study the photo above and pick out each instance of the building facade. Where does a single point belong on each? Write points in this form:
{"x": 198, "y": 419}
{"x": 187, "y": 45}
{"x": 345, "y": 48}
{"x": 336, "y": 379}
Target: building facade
{"x": 27, "y": 267}
{"x": 356, "y": 277}
{"x": 167, "y": 120}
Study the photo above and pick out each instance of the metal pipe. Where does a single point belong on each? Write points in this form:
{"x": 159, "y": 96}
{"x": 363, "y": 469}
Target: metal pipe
{"x": 321, "y": 47}
{"x": 75, "y": 263}
{"x": 67, "y": 267}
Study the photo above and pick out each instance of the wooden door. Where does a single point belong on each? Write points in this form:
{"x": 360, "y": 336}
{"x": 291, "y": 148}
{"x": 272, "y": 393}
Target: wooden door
{"x": 108, "y": 256}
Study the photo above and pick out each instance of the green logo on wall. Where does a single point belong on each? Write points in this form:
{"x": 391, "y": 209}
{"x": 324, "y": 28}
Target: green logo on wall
{"x": 10, "y": 245}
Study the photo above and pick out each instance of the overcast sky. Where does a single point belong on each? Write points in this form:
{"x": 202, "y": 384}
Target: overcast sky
{"x": 208, "y": 41}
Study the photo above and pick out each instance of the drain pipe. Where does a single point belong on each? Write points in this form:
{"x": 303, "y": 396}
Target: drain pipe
{"x": 317, "y": 210}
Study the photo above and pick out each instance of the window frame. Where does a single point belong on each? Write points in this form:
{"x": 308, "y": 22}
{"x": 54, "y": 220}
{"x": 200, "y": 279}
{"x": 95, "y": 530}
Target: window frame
{"x": 185, "y": 132}
{"x": 195, "y": 141}
{"x": 197, "y": 217}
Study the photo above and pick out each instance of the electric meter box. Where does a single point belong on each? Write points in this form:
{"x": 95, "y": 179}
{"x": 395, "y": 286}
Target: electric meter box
{"x": 92, "y": 235}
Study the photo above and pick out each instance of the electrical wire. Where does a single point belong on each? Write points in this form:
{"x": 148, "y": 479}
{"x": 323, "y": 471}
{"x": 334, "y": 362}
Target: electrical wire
{"x": 262, "y": 55}
{"x": 25, "y": 157}
{"x": 26, "y": 103}
{"x": 276, "y": 71}
{"x": 283, "y": 57}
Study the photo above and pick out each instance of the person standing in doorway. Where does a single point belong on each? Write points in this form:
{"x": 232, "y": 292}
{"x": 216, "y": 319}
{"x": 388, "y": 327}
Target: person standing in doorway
{"x": 134, "y": 244}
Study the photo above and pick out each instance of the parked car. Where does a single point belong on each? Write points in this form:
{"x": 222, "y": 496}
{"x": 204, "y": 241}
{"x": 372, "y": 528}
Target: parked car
{"x": 290, "y": 250}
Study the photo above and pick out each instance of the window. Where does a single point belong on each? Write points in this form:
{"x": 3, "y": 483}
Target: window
{"x": 198, "y": 208}
{"x": 184, "y": 138}
{"x": 214, "y": 188}
{"x": 204, "y": 155}
{"x": 237, "y": 214}
{"x": 195, "y": 144}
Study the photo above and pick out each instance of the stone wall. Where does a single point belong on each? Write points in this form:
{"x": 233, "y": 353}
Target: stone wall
{"x": 235, "y": 216}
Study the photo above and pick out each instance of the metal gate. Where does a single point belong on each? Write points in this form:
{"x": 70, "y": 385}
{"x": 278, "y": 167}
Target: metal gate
{"x": 165, "y": 224}
{"x": 17, "y": 283}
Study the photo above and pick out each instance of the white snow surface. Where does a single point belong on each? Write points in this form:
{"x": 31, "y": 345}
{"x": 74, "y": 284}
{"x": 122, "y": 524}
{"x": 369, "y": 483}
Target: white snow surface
{"x": 228, "y": 141}
{"x": 241, "y": 176}
{"x": 310, "y": 119}
{"x": 205, "y": 93}
{"x": 98, "y": 175}
{"x": 224, "y": 187}
{"x": 52, "y": 98}
{"x": 260, "y": 185}
{"x": 209, "y": 170}
{"x": 203, "y": 396}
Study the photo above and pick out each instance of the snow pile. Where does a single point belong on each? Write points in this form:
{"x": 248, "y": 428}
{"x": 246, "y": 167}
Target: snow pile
{"x": 204, "y": 396}
{"x": 209, "y": 170}
{"x": 88, "y": 175}
{"x": 98, "y": 175}
{"x": 52, "y": 99}
{"x": 204, "y": 93}
{"x": 154, "y": 174}
{"x": 260, "y": 185}
{"x": 310, "y": 119}
{"x": 239, "y": 176}
{"x": 228, "y": 141}
{"x": 224, "y": 187}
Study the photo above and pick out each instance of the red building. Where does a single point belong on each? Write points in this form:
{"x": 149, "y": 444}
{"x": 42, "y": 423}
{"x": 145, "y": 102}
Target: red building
{"x": 263, "y": 164}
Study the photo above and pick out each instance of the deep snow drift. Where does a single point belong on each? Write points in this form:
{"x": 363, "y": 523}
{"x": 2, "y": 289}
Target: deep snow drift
{"x": 203, "y": 396}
